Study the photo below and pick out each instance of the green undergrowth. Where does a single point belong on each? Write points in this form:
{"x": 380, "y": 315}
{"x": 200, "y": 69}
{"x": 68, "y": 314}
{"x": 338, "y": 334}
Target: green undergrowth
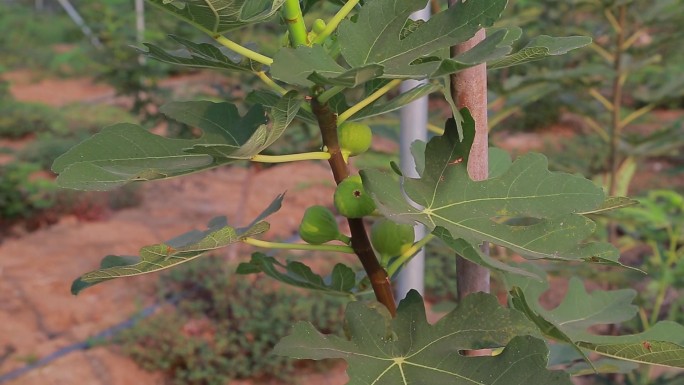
{"x": 22, "y": 196}
{"x": 224, "y": 327}
{"x": 28, "y": 193}
{"x": 19, "y": 119}
{"x": 69, "y": 126}
{"x": 26, "y": 36}
{"x": 30, "y": 198}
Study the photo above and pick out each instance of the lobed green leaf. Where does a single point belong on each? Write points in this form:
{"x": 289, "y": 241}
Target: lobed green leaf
{"x": 201, "y": 55}
{"x": 662, "y": 344}
{"x": 539, "y": 48}
{"x": 382, "y": 42}
{"x": 408, "y": 350}
{"x": 220, "y": 16}
{"x": 528, "y": 209}
{"x": 125, "y": 153}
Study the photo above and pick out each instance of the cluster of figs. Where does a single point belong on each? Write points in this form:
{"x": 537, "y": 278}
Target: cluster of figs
{"x": 319, "y": 225}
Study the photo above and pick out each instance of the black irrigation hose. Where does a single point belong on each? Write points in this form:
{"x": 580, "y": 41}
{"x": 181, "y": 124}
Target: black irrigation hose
{"x": 103, "y": 335}
{"x": 83, "y": 345}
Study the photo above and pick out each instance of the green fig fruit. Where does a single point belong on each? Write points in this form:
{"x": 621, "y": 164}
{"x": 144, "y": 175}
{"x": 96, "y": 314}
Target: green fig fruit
{"x": 318, "y": 226}
{"x": 351, "y": 199}
{"x": 391, "y": 239}
{"x": 355, "y": 138}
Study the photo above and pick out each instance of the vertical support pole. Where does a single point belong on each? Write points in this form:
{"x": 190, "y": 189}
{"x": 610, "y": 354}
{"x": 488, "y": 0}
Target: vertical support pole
{"x": 414, "y": 120}
{"x": 469, "y": 89}
{"x": 140, "y": 27}
{"x": 76, "y": 17}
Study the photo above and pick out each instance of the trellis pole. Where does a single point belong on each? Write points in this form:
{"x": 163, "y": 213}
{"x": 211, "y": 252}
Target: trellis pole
{"x": 414, "y": 120}
{"x": 76, "y": 17}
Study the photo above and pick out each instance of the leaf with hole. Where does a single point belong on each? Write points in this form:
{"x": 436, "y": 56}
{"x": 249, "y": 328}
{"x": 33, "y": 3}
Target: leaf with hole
{"x": 407, "y": 350}
{"x": 373, "y": 45}
{"x": 528, "y": 209}
{"x": 662, "y": 344}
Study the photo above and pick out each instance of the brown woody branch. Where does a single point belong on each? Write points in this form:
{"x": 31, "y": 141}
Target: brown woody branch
{"x": 327, "y": 122}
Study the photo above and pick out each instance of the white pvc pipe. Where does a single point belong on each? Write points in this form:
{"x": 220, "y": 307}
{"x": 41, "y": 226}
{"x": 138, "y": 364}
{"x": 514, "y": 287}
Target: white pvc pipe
{"x": 76, "y": 17}
{"x": 140, "y": 27}
{"x": 414, "y": 120}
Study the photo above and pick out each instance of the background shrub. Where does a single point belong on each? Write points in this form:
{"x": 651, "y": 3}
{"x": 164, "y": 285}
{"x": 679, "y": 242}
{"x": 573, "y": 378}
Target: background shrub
{"x": 19, "y": 119}
{"x": 224, "y": 327}
{"x": 20, "y": 194}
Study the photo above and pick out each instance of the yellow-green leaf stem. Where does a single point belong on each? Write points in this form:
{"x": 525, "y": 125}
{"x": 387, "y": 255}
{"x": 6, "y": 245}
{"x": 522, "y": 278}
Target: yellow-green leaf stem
{"x": 329, "y": 93}
{"x": 367, "y": 101}
{"x": 601, "y": 99}
{"x": 292, "y": 14}
{"x": 598, "y": 129}
{"x": 318, "y": 155}
{"x": 636, "y": 115}
{"x": 237, "y": 48}
{"x": 435, "y": 129}
{"x": 344, "y": 239}
{"x": 617, "y": 26}
{"x": 408, "y": 254}
{"x": 297, "y": 246}
{"x": 602, "y": 52}
{"x": 331, "y": 26}
{"x": 270, "y": 83}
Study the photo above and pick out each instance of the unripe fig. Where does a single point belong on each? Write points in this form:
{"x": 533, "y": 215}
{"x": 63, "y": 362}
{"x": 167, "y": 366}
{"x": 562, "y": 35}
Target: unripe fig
{"x": 351, "y": 199}
{"x": 318, "y": 226}
{"x": 391, "y": 239}
{"x": 355, "y": 138}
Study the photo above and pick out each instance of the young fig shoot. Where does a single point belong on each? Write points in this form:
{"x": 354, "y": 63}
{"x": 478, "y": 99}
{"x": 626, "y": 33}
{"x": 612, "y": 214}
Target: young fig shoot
{"x": 316, "y": 29}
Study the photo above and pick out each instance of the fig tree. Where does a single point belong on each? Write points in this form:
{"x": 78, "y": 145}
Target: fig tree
{"x": 351, "y": 199}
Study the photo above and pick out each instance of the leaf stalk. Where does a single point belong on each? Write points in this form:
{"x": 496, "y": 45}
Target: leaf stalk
{"x": 326, "y": 95}
{"x": 241, "y": 50}
{"x": 406, "y": 256}
{"x": 368, "y": 100}
{"x": 270, "y": 83}
{"x": 331, "y": 26}
{"x": 318, "y": 155}
{"x": 297, "y": 246}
